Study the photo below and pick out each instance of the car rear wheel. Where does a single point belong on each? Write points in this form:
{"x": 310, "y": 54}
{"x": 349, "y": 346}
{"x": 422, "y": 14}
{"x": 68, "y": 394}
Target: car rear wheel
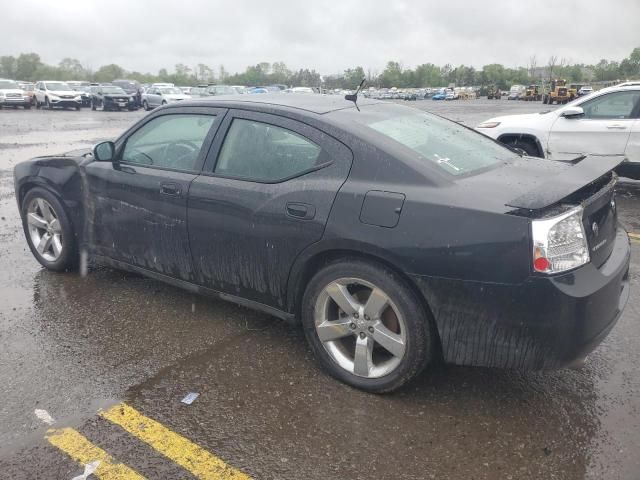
{"x": 48, "y": 230}
{"x": 365, "y": 326}
{"x": 145, "y": 105}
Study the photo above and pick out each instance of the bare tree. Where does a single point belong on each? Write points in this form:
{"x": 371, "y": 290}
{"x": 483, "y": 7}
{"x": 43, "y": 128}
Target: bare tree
{"x": 553, "y": 60}
{"x": 533, "y": 63}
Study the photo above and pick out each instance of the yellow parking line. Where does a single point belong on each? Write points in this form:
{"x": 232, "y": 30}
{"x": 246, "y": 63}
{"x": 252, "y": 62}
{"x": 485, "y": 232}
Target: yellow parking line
{"x": 83, "y": 451}
{"x": 179, "y": 449}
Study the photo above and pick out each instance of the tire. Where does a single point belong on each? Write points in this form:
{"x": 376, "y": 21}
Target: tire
{"x": 527, "y": 146}
{"x": 145, "y": 105}
{"x": 164, "y": 102}
{"x": 93, "y": 105}
{"x": 77, "y": 108}
{"x": 60, "y": 233}
{"x": 402, "y": 319}
{"x": 27, "y": 107}
{"x": 38, "y": 105}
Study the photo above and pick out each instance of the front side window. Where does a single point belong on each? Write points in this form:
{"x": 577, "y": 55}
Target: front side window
{"x": 170, "y": 141}
{"x": 612, "y": 105}
{"x": 262, "y": 152}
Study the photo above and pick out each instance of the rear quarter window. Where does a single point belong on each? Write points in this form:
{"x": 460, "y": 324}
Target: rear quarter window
{"x": 451, "y": 147}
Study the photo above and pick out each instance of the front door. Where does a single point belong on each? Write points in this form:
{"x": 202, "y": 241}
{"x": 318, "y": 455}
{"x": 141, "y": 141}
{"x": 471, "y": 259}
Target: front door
{"x": 137, "y": 206}
{"x": 264, "y": 200}
{"x": 604, "y": 128}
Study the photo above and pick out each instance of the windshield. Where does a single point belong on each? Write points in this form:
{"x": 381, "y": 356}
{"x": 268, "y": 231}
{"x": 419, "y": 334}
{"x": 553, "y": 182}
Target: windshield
{"x": 116, "y": 90}
{"x": 8, "y": 84}
{"x": 451, "y": 147}
{"x": 222, "y": 90}
{"x": 58, "y": 86}
{"x": 171, "y": 91}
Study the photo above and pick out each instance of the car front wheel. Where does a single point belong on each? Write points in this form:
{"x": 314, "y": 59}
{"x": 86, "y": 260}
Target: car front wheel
{"x": 365, "y": 326}
{"x": 48, "y": 230}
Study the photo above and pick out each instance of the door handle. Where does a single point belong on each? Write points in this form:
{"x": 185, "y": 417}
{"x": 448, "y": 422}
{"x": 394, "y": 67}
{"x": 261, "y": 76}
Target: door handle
{"x": 616, "y": 126}
{"x": 302, "y": 211}
{"x": 171, "y": 189}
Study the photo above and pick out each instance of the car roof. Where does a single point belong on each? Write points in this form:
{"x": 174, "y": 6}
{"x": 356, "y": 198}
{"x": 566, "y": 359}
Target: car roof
{"x": 315, "y": 103}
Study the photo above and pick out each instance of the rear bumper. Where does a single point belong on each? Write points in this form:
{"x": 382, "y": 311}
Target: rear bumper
{"x": 540, "y": 324}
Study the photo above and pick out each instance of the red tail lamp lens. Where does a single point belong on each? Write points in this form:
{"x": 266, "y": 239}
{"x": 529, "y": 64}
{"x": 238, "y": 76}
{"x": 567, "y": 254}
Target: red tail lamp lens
{"x": 541, "y": 264}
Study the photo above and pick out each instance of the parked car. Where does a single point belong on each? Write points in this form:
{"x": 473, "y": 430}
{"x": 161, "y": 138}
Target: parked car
{"x": 585, "y": 90}
{"x": 50, "y": 94}
{"x": 306, "y": 90}
{"x": 450, "y": 94}
{"x": 28, "y": 88}
{"x": 221, "y": 90}
{"x": 607, "y": 122}
{"x": 441, "y": 94}
{"x": 11, "y": 95}
{"x": 157, "y": 96}
{"x": 516, "y": 92}
{"x": 395, "y": 256}
{"x": 131, "y": 87}
{"x": 110, "y": 97}
{"x": 85, "y": 91}
{"x": 199, "y": 91}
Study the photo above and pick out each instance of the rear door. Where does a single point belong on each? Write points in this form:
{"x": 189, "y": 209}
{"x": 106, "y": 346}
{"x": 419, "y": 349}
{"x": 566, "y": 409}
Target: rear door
{"x": 137, "y": 206}
{"x": 604, "y": 128}
{"x": 264, "y": 196}
{"x": 153, "y": 99}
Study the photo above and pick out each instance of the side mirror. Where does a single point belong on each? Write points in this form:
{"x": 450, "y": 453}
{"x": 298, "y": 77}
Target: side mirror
{"x": 104, "y": 152}
{"x": 572, "y": 112}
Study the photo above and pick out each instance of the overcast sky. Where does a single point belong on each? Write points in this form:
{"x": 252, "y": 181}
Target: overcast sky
{"x": 327, "y": 36}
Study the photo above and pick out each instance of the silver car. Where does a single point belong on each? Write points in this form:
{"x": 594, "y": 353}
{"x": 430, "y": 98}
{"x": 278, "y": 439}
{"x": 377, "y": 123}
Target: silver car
{"x": 157, "y": 96}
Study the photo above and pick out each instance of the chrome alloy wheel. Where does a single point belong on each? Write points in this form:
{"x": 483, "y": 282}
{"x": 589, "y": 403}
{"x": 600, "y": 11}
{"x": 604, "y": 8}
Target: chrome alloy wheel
{"x": 360, "y": 327}
{"x": 44, "y": 229}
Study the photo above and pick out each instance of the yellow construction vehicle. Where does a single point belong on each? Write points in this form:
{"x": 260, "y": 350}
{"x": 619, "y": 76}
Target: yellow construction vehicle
{"x": 559, "y": 92}
{"x": 532, "y": 94}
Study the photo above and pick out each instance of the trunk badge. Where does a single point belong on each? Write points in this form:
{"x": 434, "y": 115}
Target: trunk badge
{"x": 595, "y": 229}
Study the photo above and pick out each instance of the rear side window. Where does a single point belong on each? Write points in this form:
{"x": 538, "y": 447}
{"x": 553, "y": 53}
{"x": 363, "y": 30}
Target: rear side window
{"x": 265, "y": 153}
{"x": 453, "y": 148}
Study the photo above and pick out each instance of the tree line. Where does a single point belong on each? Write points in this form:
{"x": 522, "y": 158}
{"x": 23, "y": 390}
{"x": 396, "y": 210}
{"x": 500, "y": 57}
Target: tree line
{"x": 29, "y": 67}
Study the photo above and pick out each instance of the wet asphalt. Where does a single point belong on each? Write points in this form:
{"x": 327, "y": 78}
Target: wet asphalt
{"x": 72, "y": 345}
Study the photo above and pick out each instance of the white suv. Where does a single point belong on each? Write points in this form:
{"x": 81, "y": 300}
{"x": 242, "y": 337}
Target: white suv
{"x": 12, "y": 95}
{"x": 606, "y": 122}
{"x": 51, "y": 94}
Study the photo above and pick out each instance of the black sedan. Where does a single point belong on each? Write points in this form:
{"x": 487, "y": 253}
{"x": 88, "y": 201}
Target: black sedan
{"x": 110, "y": 97}
{"x": 394, "y": 236}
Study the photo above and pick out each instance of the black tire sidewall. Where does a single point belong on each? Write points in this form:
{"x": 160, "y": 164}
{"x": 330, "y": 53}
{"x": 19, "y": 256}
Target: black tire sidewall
{"x": 69, "y": 258}
{"x": 419, "y": 338}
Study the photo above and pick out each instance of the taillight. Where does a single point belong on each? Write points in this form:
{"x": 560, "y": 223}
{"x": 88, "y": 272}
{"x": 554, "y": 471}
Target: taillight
{"x": 559, "y": 243}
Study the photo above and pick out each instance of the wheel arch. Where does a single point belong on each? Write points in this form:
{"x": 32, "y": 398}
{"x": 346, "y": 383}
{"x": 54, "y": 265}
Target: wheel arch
{"x": 505, "y": 137}
{"x": 305, "y": 269}
{"x": 73, "y": 208}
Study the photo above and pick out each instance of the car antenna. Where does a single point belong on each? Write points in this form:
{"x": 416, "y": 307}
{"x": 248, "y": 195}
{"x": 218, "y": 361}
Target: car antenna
{"x": 354, "y": 97}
